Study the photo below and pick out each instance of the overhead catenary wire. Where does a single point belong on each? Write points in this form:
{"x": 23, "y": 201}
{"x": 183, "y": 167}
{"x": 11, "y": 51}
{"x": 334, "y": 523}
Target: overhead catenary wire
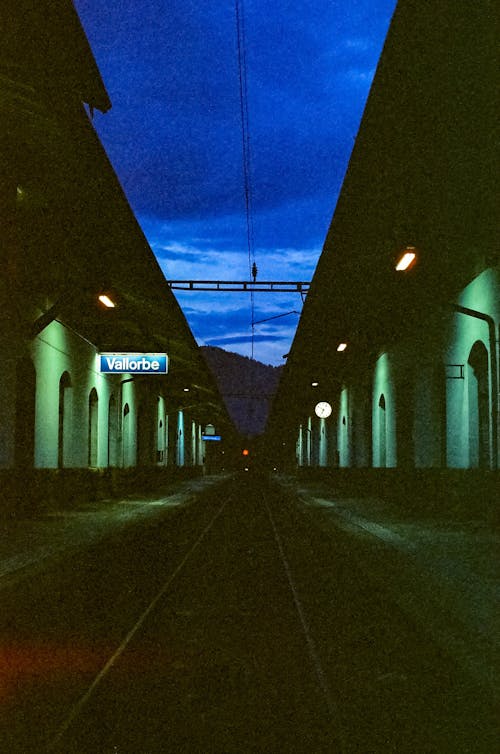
{"x": 246, "y": 152}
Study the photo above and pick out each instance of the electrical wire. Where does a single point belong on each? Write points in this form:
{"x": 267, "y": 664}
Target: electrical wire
{"x": 246, "y": 149}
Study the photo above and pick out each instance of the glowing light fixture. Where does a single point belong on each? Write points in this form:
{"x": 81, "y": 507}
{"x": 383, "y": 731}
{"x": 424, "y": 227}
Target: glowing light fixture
{"x": 186, "y": 390}
{"x": 341, "y": 346}
{"x": 407, "y": 259}
{"x": 314, "y": 384}
{"x": 106, "y": 301}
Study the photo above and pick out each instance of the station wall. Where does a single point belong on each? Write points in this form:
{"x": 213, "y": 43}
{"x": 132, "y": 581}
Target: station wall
{"x": 433, "y": 396}
{"x": 61, "y": 412}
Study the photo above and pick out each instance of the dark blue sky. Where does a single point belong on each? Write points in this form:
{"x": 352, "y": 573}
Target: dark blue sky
{"x": 174, "y": 138}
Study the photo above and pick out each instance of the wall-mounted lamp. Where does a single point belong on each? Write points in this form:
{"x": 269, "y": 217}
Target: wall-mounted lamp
{"x": 341, "y": 346}
{"x": 314, "y": 384}
{"x": 407, "y": 259}
{"x": 108, "y": 303}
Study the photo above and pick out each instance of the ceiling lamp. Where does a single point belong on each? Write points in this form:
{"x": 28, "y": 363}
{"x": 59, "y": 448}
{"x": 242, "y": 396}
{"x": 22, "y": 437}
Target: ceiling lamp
{"x": 108, "y": 303}
{"x": 407, "y": 259}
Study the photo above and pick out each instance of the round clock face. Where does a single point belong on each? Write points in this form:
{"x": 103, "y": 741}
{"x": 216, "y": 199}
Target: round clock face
{"x": 323, "y": 409}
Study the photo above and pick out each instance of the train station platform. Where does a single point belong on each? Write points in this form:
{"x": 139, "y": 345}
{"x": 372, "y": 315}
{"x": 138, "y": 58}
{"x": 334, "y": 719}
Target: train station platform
{"x": 34, "y": 540}
{"x": 446, "y": 568}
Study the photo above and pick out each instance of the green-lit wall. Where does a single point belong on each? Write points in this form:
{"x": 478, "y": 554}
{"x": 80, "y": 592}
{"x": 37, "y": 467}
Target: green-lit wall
{"x": 384, "y": 418}
{"x": 481, "y": 295}
{"x": 66, "y": 376}
{"x": 344, "y": 425}
{"x": 432, "y": 395}
{"x": 323, "y": 443}
{"x": 57, "y": 350}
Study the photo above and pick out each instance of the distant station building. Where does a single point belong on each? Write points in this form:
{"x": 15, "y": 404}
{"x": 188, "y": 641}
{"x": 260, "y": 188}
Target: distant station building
{"x": 79, "y": 280}
{"x": 400, "y": 330}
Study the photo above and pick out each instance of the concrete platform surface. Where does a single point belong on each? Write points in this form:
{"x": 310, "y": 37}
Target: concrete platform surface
{"x": 445, "y": 574}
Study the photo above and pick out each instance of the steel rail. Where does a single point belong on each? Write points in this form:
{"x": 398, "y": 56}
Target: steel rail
{"x": 332, "y": 705}
{"x": 80, "y": 704}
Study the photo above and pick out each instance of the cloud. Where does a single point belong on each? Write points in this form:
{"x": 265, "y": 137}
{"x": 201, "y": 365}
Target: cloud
{"x": 267, "y": 350}
{"x": 224, "y": 319}
{"x": 285, "y": 237}
{"x": 174, "y": 134}
{"x": 359, "y": 76}
{"x": 357, "y": 44}
{"x": 238, "y": 339}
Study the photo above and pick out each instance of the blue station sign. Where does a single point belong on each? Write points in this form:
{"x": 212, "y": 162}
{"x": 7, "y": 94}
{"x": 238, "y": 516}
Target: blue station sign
{"x": 138, "y": 363}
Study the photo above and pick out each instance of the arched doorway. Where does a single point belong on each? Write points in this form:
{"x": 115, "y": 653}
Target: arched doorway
{"x": 478, "y": 400}
{"x": 93, "y": 429}
{"x": 112, "y": 432}
{"x": 126, "y": 436}
{"x": 382, "y": 432}
{"x": 343, "y": 442}
{"x": 180, "y": 439}
{"x": 65, "y": 420}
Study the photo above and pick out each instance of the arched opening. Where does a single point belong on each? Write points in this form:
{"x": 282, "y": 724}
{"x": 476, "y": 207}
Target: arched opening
{"x": 93, "y": 429}
{"x": 308, "y": 460}
{"x": 160, "y": 445}
{"x": 382, "y": 432}
{"x": 24, "y": 437}
{"x": 180, "y": 439}
{"x": 126, "y": 436}
{"x": 478, "y": 394}
{"x": 112, "y": 432}
{"x": 65, "y": 420}
{"x": 343, "y": 442}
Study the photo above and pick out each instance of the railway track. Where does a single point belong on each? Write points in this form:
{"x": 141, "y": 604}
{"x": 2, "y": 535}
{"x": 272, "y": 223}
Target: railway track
{"x": 230, "y": 625}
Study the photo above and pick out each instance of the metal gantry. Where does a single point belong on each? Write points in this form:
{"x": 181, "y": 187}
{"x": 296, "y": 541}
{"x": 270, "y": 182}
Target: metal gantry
{"x": 251, "y": 286}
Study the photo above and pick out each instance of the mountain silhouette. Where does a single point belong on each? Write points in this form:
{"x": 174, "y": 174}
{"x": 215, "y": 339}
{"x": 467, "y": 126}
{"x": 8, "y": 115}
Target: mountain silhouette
{"x": 247, "y": 387}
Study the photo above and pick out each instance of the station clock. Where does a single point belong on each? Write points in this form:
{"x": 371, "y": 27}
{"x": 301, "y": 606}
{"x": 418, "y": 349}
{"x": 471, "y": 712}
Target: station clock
{"x": 323, "y": 409}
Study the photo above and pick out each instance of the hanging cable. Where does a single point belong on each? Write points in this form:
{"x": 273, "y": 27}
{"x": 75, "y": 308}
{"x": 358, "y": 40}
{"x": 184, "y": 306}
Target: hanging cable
{"x": 246, "y": 152}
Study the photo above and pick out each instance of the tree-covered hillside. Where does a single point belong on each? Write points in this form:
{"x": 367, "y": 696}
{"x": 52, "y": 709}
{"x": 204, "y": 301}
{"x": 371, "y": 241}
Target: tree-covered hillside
{"x": 247, "y": 387}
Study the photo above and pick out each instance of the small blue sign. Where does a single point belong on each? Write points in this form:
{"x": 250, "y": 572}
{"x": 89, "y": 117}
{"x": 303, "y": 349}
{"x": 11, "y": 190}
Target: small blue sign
{"x": 216, "y": 438}
{"x": 138, "y": 363}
